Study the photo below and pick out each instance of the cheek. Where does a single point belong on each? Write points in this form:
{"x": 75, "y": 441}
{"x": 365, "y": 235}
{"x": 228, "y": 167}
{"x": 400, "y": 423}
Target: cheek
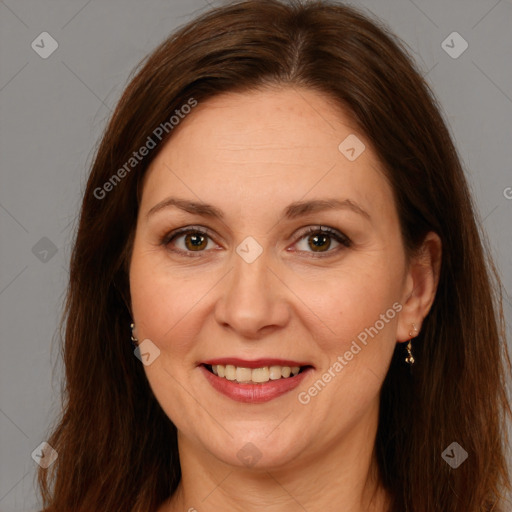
{"x": 150, "y": 295}
{"x": 349, "y": 302}
{"x": 165, "y": 302}
{"x": 164, "y": 312}
{"x": 358, "y": 314}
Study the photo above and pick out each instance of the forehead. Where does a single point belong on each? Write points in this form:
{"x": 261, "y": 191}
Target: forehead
{"x": 267, "y": 147}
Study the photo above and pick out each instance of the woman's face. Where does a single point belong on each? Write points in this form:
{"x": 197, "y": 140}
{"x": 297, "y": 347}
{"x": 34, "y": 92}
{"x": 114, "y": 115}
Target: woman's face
{"x": 249, "y": 287}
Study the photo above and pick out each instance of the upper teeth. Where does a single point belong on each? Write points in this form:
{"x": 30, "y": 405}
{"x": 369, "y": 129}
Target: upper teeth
{"x": 254, "y": 375}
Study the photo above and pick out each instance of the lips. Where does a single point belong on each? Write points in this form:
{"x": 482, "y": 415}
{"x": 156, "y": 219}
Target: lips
{"x": 254, "y": 381}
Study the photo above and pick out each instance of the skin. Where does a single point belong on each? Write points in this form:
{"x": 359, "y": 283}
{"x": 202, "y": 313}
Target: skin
{"x": 250, "y": 155}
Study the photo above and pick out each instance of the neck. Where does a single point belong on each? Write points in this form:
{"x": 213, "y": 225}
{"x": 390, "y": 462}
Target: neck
{"x": 343, "y": 477}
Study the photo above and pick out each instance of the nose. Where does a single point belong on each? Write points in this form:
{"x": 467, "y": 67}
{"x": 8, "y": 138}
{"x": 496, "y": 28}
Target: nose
{"x": 253, "y": 301}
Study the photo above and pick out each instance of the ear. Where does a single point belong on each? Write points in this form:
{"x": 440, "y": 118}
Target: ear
{"x": 420, "y": 286}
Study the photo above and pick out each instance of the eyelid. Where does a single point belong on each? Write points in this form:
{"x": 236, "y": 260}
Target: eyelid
{"x": 169, "y": 237}
{"x": 343, "y": 240}
{"x": 185, "y": 230}
{"x": 324, "y": 229}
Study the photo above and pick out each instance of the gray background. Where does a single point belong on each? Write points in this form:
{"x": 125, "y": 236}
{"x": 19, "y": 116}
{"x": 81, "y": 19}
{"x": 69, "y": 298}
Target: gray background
{"x": 53, "y": 111}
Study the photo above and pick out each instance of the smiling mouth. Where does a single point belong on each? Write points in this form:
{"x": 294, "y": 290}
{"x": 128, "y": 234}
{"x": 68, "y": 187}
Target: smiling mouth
{"x": 262, "y": 375}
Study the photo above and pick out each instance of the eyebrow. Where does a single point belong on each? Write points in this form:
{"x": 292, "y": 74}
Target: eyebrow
{"x": 292, "y": 211}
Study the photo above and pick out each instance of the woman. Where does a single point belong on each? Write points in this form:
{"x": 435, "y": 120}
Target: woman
{"x": 277, "y": 219}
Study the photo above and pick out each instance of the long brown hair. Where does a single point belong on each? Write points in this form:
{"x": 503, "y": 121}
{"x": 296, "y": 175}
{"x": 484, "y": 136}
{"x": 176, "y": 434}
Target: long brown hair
{"x": 117, "y": 448}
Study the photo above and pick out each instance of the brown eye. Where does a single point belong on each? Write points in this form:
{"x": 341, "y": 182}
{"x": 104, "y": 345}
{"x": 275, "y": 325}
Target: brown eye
{"x": 195, "y": 241}
{"x": 187, "y": 241}
{"x": 320, "y": 240}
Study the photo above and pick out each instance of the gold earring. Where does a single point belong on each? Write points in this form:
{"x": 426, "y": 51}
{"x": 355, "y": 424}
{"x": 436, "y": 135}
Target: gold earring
{"x": 410, "y": 359}
{"x": 134, "y": 340}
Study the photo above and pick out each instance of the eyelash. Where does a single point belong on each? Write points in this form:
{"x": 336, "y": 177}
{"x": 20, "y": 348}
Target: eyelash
{"x": 337, "y": 235}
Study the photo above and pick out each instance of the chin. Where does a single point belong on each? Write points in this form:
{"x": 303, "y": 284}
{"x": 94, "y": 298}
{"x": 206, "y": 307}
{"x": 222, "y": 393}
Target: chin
{"x": 256, "y": 449}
